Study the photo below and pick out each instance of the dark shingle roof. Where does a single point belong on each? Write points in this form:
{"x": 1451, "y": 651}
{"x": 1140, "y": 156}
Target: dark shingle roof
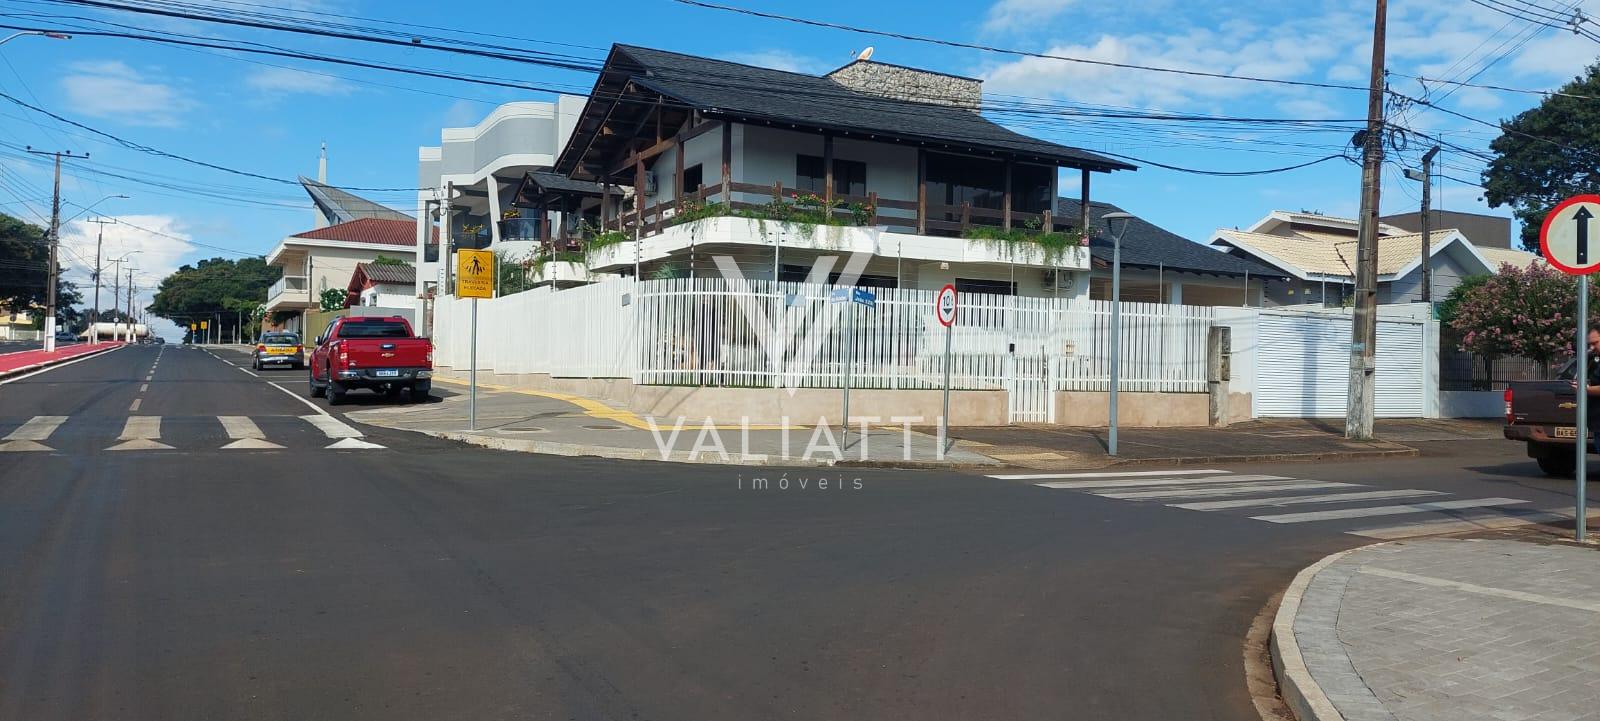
{"x": 1149, "y": 245}
{"x": 341, "y": 206}
{"x": 722, "y": 89}
{"x": 389, "y": 273}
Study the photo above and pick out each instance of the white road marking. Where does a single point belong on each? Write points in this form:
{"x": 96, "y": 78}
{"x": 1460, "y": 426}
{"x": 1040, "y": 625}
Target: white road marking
{"x": 1213, "y": 491}
{"x": 1140, "y": 483}
{"x": 134, "y": 406}
{"x": 1297, "y": 500}
{"x": 1505, "y": 518}
{"x": 144, "y": 387}
{"x": 240, "y": 427}
{"x": 38, "y": 428}
{"x": 140, "y": 434}
{"x": 1387, "y": 510}
{"x": 351, "y": 443}
{"x": 299, "y": 397}
{"x": 332, "y": 427}
{"x": 1123, "y": 474}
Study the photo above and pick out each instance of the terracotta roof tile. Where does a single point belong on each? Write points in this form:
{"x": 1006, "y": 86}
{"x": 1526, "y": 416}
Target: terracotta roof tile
{"x": 373, "y": 231}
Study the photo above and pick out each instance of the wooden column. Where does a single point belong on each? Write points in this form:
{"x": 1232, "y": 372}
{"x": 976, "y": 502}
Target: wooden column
{"x": 605, "y": 204}
{"x": 1083, "y": 205}
{"x": 1005, "y": 201}
{"x": 638, "y": 192}
{"x": 563, "y": 235}
{"x": 677, "y": 174}
{"x": 1055, "y": 194}
{"x": 827, "y": 172}
{"x": 727, "y": 163}
{"x": 922, "y": 192}
{"x": 544, "y": 224}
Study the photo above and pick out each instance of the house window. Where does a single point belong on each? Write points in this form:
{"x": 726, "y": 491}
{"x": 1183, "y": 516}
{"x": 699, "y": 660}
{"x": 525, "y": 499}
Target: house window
{"x": 849, "y": 176}
{"x": 692, "y": 178}
{"x": 992, "y": 287}
{"x": 801, "y": 273}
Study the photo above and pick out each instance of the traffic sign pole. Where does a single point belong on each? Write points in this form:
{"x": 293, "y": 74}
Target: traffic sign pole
{"x": 1581, "y": 372}
{"x": 944, "y": 309}
{"x": 1564, "y": 241}
{"x": 849, "y": 360}
{"x": 472, "y": 373}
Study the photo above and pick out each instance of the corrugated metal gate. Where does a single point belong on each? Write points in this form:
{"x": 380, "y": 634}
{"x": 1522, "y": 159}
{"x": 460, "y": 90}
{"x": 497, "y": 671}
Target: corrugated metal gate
{"x": 1303, "y": 367}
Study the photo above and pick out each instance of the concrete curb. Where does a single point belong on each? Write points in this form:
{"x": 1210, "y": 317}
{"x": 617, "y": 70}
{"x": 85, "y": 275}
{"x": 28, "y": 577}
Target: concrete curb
{"x": 1270, "y": 457}
{"x": 523, "y": 445}
{"x": 1300, "y": 692}
{"x": 38, "y": 366}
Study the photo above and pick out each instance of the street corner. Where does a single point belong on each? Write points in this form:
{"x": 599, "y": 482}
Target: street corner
{"x": 1499, "y": 627}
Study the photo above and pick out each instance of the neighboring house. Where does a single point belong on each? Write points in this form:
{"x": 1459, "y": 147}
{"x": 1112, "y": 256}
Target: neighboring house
{"x": 17, "y": 325}
{"x": 907, "y": 148}
{"x": 1485, "y": 231}
{"x": 317, "y": 260}
{"x": 482, "y": 167}
{"x": 385, "y": 285}
{"x": 1159, "y": 266}
{"x": 1317, "y": 256}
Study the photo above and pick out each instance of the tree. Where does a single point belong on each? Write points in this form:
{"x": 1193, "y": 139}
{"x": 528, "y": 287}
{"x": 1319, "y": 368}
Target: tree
{"x": 1530, "y": 313}
{"x": 387, "y": 260}
{"x": 218, "y": 289}
{"x": 1546, "y": 155}
{"x": 1450, "y": 306}
{"x": 24, "y": 274}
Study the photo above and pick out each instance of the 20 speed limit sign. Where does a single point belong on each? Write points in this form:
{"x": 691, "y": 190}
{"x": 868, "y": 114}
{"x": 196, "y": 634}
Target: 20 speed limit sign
{"x": 1569, "y": 238}
{"x": 945, "y": 305}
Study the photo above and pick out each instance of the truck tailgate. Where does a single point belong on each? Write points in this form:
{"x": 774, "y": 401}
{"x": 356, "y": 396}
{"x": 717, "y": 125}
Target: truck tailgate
{"x": 386, "y": 352}
{"x": 1551, "y": 403}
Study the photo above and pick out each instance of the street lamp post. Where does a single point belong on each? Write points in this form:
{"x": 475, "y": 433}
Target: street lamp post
{"x": 116, "y": 290}
{"x": 1111, "y": 220}
{"x": 40, "y": 33}
{"x": 94, "y": 337}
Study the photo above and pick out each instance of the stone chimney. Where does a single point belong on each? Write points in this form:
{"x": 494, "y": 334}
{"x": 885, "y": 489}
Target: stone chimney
{"x": 903, "y": 83}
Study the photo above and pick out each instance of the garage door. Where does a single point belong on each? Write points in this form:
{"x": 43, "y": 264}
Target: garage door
{"x": 1302, "y": 367}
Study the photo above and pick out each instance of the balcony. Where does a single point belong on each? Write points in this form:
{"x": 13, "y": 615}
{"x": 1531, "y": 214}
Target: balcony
{"x": 519, "y": 229}
{"x": 290, "y": 291}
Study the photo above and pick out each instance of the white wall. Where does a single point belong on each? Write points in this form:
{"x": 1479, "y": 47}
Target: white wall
{"x": 1448, "y": 270}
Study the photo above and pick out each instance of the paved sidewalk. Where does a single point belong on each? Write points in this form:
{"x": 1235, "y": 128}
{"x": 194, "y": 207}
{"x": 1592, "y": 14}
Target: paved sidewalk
{"x": 559, "y": 424}
{"x": 1442, "y": 630}
{"x": 31, "y": 360}
{"x": 1047, "y": 447}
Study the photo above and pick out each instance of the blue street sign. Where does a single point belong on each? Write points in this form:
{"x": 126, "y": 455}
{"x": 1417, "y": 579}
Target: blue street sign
{"x": 839, "y": 295}
{"x": 864, "y": 297}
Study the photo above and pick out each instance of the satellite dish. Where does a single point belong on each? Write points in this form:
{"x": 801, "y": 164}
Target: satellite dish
{"x": 865, "y": 54}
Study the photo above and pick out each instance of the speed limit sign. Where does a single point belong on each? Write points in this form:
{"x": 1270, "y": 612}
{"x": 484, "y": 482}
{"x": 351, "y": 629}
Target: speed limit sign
{"x": 945, "y": 305}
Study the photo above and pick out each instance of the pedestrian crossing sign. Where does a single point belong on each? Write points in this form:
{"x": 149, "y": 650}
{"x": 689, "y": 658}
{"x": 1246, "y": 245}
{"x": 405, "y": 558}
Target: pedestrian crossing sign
{"x": 203, "y": 324}
{"x": 193, "y": 327}
{"x": 474, "y": 274}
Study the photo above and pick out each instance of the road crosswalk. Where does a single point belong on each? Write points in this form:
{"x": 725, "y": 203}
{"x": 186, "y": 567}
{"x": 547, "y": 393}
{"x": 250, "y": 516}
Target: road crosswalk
{"x": 1419, "y": 512}
{"x": 159, "y": 433}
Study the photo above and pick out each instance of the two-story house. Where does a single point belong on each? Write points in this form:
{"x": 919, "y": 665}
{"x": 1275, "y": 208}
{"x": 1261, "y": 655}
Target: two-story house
{"x": 781, "y": 167}
{"x": 326, "y": 258}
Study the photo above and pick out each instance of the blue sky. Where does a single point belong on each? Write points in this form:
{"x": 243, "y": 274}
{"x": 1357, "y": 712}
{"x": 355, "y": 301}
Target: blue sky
{"x": 236, "y": 111}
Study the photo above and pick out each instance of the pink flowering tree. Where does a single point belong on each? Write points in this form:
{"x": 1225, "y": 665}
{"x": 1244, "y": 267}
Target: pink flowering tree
{"x": 1529, "y": 313}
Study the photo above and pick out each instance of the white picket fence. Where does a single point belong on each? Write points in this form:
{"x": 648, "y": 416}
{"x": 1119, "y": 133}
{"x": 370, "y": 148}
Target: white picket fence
{"x": 710, "y": 332}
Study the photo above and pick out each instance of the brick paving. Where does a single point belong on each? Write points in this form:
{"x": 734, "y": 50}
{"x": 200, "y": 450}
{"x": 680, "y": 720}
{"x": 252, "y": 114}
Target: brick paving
{"x": 1450, "y": 629}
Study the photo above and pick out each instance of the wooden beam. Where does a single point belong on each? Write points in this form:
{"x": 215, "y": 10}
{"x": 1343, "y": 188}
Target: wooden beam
{"x": 1005, "y": 200}
{"x": 827, "y": 172}
{"x": 677, "y": 174}
{"x": 922, "y": 192}
{"x": 1083, "y": 203}
{"x": 638, "y": 191}
{"x": 727, "y": 162}
{"x": 1055, "y": 192}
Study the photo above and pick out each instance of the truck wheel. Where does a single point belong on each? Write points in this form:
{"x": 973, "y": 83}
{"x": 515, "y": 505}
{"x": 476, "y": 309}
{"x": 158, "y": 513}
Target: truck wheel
{"x": 1562, "y": 465}
{"x": 336, "y": 393}
{"x": 316, "y": 390}
{"x": 420, "y": 391}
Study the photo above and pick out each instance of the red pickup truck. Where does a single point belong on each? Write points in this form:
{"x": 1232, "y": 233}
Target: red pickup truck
{"x": 379, "y": 353}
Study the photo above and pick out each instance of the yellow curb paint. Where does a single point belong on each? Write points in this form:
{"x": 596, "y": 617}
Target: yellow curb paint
{"x": 596, "y": 409}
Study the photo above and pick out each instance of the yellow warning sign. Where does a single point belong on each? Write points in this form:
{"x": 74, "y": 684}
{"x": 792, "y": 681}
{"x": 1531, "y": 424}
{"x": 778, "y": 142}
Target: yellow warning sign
{"x": 203, "y": 325}
{"x": 193, "y": 327}
{"x": 474, "y": 274}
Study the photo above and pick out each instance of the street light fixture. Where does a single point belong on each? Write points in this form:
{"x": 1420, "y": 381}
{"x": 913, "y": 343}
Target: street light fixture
{"x": 1112, "y": 220}
{"x": 94, "y": 335}
{"x": 87, "y": 208}
{"x": 41, "y": 33}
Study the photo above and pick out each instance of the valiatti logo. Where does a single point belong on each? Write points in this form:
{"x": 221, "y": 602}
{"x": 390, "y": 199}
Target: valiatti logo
{"x": 791, "y": 353}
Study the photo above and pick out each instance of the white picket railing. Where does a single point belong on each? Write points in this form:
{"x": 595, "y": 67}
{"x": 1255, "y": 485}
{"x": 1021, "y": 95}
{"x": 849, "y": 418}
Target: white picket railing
{"x": 710, "y": 332}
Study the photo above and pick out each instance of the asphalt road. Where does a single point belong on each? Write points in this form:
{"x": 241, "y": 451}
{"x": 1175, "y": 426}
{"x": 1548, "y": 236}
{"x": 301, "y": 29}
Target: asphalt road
{"x": 428, "y": 580}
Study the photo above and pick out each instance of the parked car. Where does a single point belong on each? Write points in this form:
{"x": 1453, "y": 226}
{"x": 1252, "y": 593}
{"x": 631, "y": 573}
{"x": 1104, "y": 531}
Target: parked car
{"x": 278, "y": 348}
{"x": 1544, "y": 415}
{"x": 379, "y": 353}
{"x": 63, "y": 336}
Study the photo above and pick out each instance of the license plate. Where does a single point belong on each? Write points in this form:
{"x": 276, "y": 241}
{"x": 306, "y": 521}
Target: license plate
{"x": 1566, "y": 432}
{"x": 279, "y": 351}
{"x": 387, "y": 374}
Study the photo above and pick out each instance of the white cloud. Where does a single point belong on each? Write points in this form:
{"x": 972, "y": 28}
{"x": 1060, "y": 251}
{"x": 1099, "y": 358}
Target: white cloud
{"x": 462, "y": 114}
{"x": 1309, "y": 109}
{"x": 112, "y": 89}
{"x": 159, "y": 254}
{"x": 286, "y": 81}
{"x": 1557, "y": 56}
{"x": 778, "y": 59}
{"x": 1016, "y": 14}
{"x": 1346, "y": 73}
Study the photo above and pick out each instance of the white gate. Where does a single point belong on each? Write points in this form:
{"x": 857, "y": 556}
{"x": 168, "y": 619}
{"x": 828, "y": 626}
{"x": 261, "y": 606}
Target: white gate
{"x": 1028, "y": 391}
{"x": 1303, "y": 367}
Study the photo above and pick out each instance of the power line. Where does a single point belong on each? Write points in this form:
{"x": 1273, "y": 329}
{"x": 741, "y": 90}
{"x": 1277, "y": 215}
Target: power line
{"x": 1010, "y": 51}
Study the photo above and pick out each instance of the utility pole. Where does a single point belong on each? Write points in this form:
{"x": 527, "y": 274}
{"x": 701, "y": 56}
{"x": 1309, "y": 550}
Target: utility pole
{"x": 1427, "y": 221}
{"x": 55, "y": 241}
{"x": 129, "y": 312}
{"x": 94, "y": 316}
{"x": 1364, "y": 324}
